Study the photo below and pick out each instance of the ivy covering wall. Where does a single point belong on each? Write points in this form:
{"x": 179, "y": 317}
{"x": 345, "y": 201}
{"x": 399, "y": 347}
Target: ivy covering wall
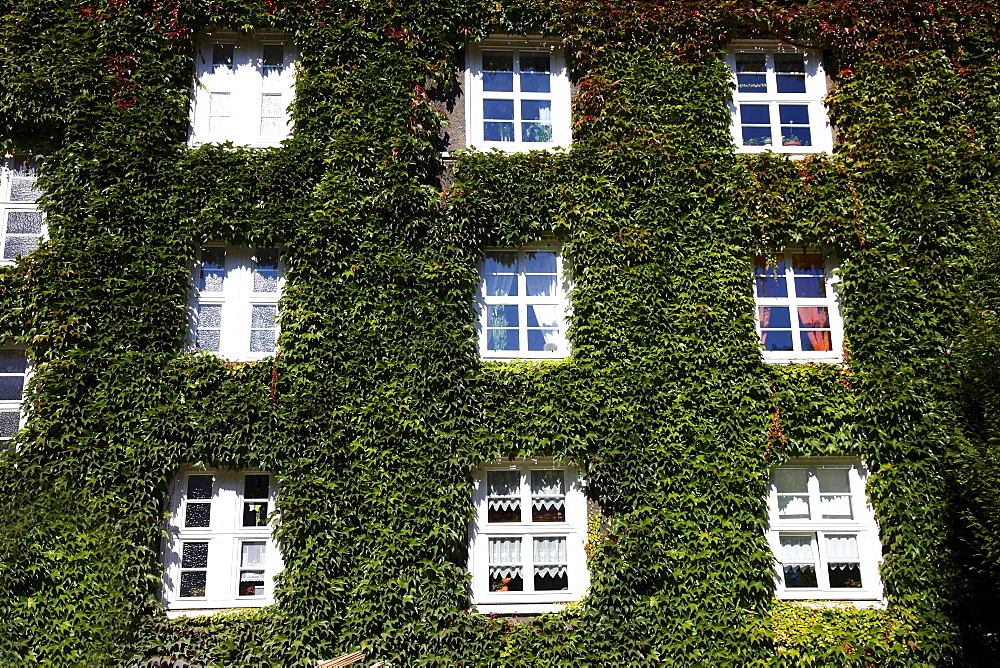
{"x": 378, "y": 406}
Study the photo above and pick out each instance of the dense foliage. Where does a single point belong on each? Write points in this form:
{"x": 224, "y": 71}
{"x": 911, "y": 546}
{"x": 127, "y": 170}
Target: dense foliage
{"x": 378, "y": 406}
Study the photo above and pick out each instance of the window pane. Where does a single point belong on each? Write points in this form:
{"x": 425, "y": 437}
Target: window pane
{"x": 540, "y": 286}
{"x": 272, "y": 104}
{"x": 536, "y": 132}
{"x": 843, "y": 576}
{"x": 789, "y": 62}
{"x": 498, "y": 71}
{"x": 796, "y": 547}
{"x": 252, "y": 554}
{"x": 536, "y": 110}
{"x": 550, "y": 564}
{"x": 548, "y": 496}
{"x": 792, "y": 506}
{"x": 771, "y": 286}
{"x": 502, "y": 339}
{"x": 810, "y": 287}
{"x": 834, "y": 480}
{"x": 251, "y": 583}
{"x": 756, "y": 136}
{"x": 193, "y": 584}
{"x": 199, "y": 487}
{"x": 750, "y": 75}
{"x": 209, "y": 340}
{"x": 263, "y": 341}
{"x": 498, "y": 109}
{"x": 213, "y": 269}
{"x": 501, "y": 274}
{"x": 790, "y": 68}
{"x": 799, "y": 575}
{"x": 198, "y": 515}
{"x": 256, "y": 486}
{"x": 263, "y": 316}
{"x": 19, "y": 246}
{"x": 546, "y": 340}
{"x": 493, "y": 131}
{"x": 791, "y": 481}
{"x": 10, "y": 421}
{"x": 543, "y": 315}
{"x": 255, "y": 514}
{"x": 774, "y": 317}
{"x": 780, "y": 340}
{"x": 194, "y": 555}
{"x": 534, "y": 62}
{"x": 535, "y": 72}
{"x": 814, "y": 317}
{"x": 265, "y": 270}
{"x": 540, "y": 262}
{"x": 11, "y": 388}
{"x": 793, "y": 114}
{"x": 796, "y": 136}
{"x": 222, "y": 54}
{"x": 24, "y": 222}
{"x": 24, "y": 190}
{"x": 504, "y": 496}
{"x": 501, "y": 315}
{"x": 755, "y": 114}
{"x": 13, "y": 361}
{"x": 219, "y": 103}
{"x": 273, "y": 55}
{"x": 816, "y": 341}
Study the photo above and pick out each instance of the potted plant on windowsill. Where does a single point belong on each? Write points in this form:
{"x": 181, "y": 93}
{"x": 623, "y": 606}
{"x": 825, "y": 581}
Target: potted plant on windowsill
{"x": 757, "y": 141}
{"x": 791, "y": 140}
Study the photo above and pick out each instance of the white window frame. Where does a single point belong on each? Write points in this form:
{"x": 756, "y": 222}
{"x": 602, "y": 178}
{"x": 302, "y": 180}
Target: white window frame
{"x": 559, "y": 94}
{"x": 237, "y": 301}
{"x": 560, "y": 300}
{"x": 829, "y": 301}
{"x": 8, "y": 205}
{"x": 15, "y": 406}
{"x": 246, "y": 83}
{"x": 574, "y": 530}
{"x": 225, "y": 536}
{"x": 815, "y": 80}
{"x": 862, "y": 525}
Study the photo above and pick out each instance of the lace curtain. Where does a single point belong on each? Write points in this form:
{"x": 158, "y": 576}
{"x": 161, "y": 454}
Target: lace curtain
{"x": 505, "y": 557}
{"x": 504, "y": 489}
{"x": 548, "y": 489}
{"x": 550, "y": 556}
{"x": 843, "y": 547}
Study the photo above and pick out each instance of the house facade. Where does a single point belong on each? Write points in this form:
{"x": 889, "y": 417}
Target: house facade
{"x": 576, "y": 334}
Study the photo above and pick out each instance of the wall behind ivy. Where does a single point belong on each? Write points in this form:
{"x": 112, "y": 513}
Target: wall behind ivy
{"x": 378, "y": 407}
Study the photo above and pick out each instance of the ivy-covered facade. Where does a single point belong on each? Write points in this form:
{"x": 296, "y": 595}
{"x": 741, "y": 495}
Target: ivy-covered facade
{"x": 379, "y": 410}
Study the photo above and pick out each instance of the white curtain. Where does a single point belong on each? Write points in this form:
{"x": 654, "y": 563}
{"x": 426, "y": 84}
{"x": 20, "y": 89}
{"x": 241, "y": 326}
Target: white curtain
{"x": 504, "y": 489}
{"x": 253, "y": 555}
{"x": 793, "y": 506}
{"x": 796, "y": 548}
{"x": 505, "y": 557}
{"x": 836, "y": 506}
{"x": 547, "y": 489}
{"x": 841, "y": 547}
{"x": 550, "y": 556}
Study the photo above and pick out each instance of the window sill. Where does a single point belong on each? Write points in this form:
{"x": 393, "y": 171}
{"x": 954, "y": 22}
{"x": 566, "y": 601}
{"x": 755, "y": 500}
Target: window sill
{"x": 504, "y": 147}
{"x": 519, "y": 608}
{"x": 833, "y": 359}
{"x": 175, "y": 612}
{"x": 861, "y": 599}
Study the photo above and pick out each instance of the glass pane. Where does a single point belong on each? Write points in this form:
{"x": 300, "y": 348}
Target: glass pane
{"x": 791, "y": 481}
{"x": 498, "y": 109}
{"x": 271, "y": 128}
{"x": 540, "y": 262}
{"x": 22, "y": 189}
{"x": 198, "y": 514}
{"x": 219, "y": 104}
{"x": 504, "y": 490}
{"x": 534, "y": 62}
{"x": 213, "y": 269}
{"x": 750, "y": 77}
{"x": 799, "y": 575}
{"x": 793, "y": 114}
{"x": 11, "y": 388}
{"x": 251, "y": 583}
{"x": 263, "y": 316}
{"x": 808, "y": 264}
{"x": 501, "y": 315}
{"x": 550, "y": 564}
{"x": 543, "y": 315}
{"x": 272, "y": 104}
{"x": 273, "y": 55}
{"x": 792, "y": 506}
{"x": 810, "y": 287}
{"x": 755, "y": 114}
{"x": 532, "y": 82}
{"x": 209, "y": 316}
{"x": 548, "y": 500}
{"x": 789, "y": 62}
{"x": 756, "y": 136}
{"x": 222, "y": 54}
{"x": 816, "y": 340}
{"x": 494, "y": 131}
{"x": 503, "y": 483}
{"x": 256, "y": 486}
{"x": 767, "y": 265}
{"x": 19, "y": 246}
{"x": 502, "y": 339}
{"x": 501, "y": 276}
{"x": 13, "y": 361}
{"x": 252, "y": 554}
{"x": 262, "y": 341}
{"x": 790, "y": 68}
{"x": 24, "y": 222}
{"x": 536, "y": 132}
{"x": 814, "y": 317}
{"x": 535, "y": 72}
{"x": 776, "y": 340}
{"x": 193, "y": 584}
{"x": 771, "y": 286}
{"x": 774, "y": 317}
{"x": 546, "y": 340}
{"x": 841, "y": 547}
{"x": 10, "y": 422}
{"x": 505, "y": 551}
{"x": 751, "y": 62}
{"x": 255, "y": 514}
{"x": 834, "y": 480}
{"x": 498, "y": 71}
{"x": 547, "y": 483}
{"x": 796, "y": 547}
{"x": 796, "y": 136}
{"x": 194, "y": 555}
{"x": 540, "y": 286}
{"x": 843, "y": 576}
{"x": 199, "y": 487}
{"x": 209, "y": 340}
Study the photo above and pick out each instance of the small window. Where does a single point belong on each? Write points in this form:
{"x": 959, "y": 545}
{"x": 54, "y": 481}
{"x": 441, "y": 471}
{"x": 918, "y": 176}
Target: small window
{"x": 523, "y": 303}
{"x": 518, "y": 95}
{"x": 778, "y": 101}
{"x": 527, "y": 542}
{"x": 234, "y": 301}
{"x": 823, "y": 531}
{"x": 244, "y": 88}
{"x": 798, "y": 318}
{"x": 13, "y": 372}
{"x": 22, "y": 224}
{"x": 219, "y": 552}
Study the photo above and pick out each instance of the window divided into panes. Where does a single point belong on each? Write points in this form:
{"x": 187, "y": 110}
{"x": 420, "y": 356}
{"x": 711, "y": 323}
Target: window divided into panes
{"x": 797, "y": 311}
{"x": 22, "y": 224}
{"x": 235, "y": 293}
{"x": 777, "y": 104}
{"x": 823, "y": 531}
{"x": 523, "y": 300}
{"x": 519, "y": 95}
{"x": 527, "y": 543}
{"x": 13, "y": 372}
{"x": 245, "y": 86}
{"x": 219, "y": 552}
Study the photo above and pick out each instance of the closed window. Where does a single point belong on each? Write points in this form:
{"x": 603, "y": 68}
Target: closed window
{"x": 219, "y": 552}
{"x": 22, "y": 224}
{"x": 518, "y": 95}
{"x": 13, "y": 371}
{"x": 523, "y": 303}
{"x": 823, "y": 532}
{"x": 234, "y": 301}
{"x": 244, "y": 87}
{"x": 528, "y": 537}
{"x": 778, "y": 101}
{"x": 798, "y": 318}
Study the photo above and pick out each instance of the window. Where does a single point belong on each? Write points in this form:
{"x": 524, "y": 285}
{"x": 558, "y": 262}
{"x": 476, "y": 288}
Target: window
{"x": 798, "y": 318}
{"x": 13, "y": 371}
{"x": 523, "y": 304}
{"x": 244, "y": 87}
{"x": 219, "y": 552}
{"x": 234, "y": 303}
{"x": 778, "y": 103}
{"x": 21, "y": 223}
{"x": 528, "y": 537}
{"x": 823, "y": 531}
{"x": 518, "y": 95}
